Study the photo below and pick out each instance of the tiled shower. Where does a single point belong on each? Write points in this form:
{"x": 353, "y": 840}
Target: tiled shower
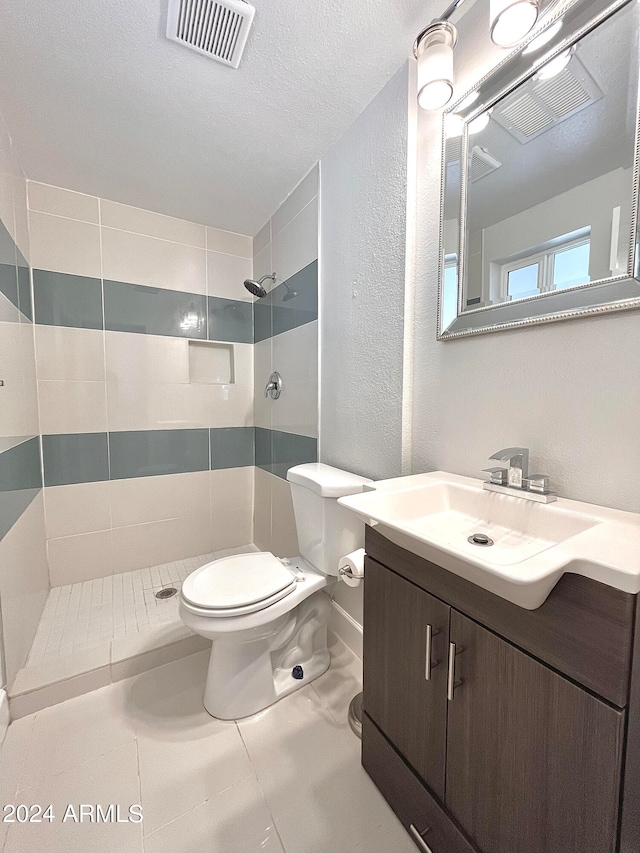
{"x": 140, "y": 444}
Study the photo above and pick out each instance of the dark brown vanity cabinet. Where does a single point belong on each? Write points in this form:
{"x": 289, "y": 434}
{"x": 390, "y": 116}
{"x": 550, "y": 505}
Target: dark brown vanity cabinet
{"x": 477, "y": 744}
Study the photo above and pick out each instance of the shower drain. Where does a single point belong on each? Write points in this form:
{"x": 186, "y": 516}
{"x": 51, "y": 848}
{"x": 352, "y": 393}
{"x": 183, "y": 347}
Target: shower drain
{"x": 167, "y": 592}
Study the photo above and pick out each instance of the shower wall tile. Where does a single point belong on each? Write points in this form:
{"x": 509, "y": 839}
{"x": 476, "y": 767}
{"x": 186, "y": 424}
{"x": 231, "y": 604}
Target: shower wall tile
{"x": 298, "y": 409}
{"x": 20, "y": 481}
{"x": 147, "y": 499}
{"x": 66, "y": 353}
{"x": 24, "y": 577}
{"x": 9, "y": 282}
{"x": 72, "y": 406}
{"x": 262, "y": 239}
{"x": 25, "y": 302}
{"x": 64, "y": 245}
{"x": 262, "y": 265}
{"x": 296, "y": 352}
{"x": 24, "y": 583}
{"x": 19, "y": 409}
{"x": 231, "y": 527}
{"x": 157, "y": 406}
{"x": 290, "y": 311}
{"x": 157, "y": 263}
{"x": 230, "y": 320}
{"x": 230, "y": 405}
{"x": 232, "y": 448}
{"x": 75, "y": 509}
{"x": 153, "y": 311}
{"x": 73, "y": 559}
{"x": 150, "y": 224}
{"x": 127, "y": 433}
{"x": 139, "y": 546}
{"x": 286, "y": 340}
{"x": 226, "y": 274}
{"x": 296, "y": 246}
{"x": 231, "y": 488}
{"x": 229, "y": 243}
{"x": 67, "y": 300}
{"x": 148, "y": 453}
{"x": 45, "y": 198}
{"x": 304, "y": 193}
{"x": 75, "y": 458}
{"x": 146, "y": 358}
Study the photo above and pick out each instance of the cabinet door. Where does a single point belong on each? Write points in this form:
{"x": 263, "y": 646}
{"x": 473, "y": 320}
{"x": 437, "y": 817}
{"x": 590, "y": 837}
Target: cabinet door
{"x": 533, "y": 761}
{"x": 409, "y": 708}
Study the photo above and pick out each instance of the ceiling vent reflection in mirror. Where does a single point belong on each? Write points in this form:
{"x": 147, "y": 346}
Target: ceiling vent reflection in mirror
{"x": 216, "y": 28}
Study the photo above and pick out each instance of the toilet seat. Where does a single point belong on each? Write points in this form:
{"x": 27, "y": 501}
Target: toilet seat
{"x": 233, "y": 586}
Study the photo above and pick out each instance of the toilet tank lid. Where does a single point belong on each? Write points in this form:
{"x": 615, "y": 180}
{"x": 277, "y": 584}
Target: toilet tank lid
{"x": 326, "y": 481}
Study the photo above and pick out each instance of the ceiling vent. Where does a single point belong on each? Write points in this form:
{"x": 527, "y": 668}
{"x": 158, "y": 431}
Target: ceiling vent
{"x": 216, "y": 28}
{"x": 539, "y": 105}
{"x": 481, "y": 163}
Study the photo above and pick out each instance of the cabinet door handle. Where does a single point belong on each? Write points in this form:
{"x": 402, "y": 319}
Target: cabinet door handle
{"x": 422, "y": 844}
{"x": 428, "y": 666}
{"x": 451, "y": 675}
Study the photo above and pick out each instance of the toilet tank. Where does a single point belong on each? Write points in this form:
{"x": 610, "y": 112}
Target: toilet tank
{"x": 326, "y": 530}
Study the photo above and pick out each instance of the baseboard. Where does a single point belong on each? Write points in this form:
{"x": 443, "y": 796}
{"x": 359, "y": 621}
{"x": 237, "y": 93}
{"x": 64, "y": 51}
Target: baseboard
{"x": 4, "y": 714}
{"x": 346, "y": 628}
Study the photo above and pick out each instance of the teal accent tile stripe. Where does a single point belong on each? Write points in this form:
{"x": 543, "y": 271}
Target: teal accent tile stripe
{"x": 277, "y": 451}
{"x": 75, "y": 458}
{"x": 147, "y": 453}
{"x": 92, "y": 457}
{"x": 154, "y": 310}
{"x": 67, "y": 300}
{"x": 20, "y": 481}
{"x": 230, "y": 320}
{"x": 233, "y": 447}
{"x": 289, "y": 305}
{"x": 15, "y": 281}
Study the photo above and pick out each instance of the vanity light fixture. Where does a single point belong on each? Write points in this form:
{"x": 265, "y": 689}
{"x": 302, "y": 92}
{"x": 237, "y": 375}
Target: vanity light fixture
{"x": 479, "y": 123}
{"x": 512, "y": 20}
{"x": 434, "y": 51}
{"x": 544, "y": 38}
{"x": 555, "y": 66}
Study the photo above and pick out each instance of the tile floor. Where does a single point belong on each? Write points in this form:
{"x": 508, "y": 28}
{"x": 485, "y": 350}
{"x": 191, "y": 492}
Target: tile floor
{"x": 287, "y": 780}
{"x": 83, "y": 616}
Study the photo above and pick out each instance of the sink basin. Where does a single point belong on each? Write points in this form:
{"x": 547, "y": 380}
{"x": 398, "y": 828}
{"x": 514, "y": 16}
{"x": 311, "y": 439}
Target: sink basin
{"x": 532, "y": 544}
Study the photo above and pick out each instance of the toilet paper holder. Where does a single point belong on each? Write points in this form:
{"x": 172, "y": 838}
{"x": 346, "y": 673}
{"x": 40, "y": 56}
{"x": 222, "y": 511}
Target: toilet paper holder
{"x": 347, "y": 572}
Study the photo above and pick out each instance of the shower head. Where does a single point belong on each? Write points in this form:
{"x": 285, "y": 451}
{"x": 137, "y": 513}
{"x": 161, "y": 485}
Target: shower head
{"x": 256, "y": 288}
{"x": 290, "y": 294}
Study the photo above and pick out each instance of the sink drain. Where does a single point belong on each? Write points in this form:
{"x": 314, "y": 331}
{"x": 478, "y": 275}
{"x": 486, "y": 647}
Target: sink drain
{"x": 167, "y": 592}
{"x": 480, "y": 539}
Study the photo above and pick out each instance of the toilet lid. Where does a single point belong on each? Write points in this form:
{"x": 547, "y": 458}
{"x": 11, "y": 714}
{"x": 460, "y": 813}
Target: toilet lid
{"x": 238, "y": 581}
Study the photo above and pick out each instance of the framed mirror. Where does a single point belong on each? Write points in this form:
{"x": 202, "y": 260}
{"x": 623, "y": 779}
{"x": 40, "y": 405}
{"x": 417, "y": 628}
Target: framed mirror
{"x": 539, "y": 218}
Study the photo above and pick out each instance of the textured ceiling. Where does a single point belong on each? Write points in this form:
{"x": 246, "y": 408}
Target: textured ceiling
{"x": 98, "y": 100}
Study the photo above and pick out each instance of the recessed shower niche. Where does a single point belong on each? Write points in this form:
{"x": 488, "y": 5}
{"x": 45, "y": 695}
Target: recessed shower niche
{"x": 211, "y": 363}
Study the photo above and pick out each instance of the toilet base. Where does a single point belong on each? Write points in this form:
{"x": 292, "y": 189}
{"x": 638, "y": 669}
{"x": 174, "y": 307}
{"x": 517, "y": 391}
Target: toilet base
{"x": 252, "y": 672}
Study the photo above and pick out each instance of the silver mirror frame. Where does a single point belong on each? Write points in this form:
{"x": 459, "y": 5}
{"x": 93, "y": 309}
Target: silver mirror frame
{"x": 604, "y": 296}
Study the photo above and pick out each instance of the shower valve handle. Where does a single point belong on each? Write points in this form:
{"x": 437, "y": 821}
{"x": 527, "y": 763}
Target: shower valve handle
{"x": 274, "y": 386}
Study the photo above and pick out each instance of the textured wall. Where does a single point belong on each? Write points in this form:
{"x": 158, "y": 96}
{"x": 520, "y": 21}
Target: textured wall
{"x": 568, "y": 391}
{"x": 362, "y": 263}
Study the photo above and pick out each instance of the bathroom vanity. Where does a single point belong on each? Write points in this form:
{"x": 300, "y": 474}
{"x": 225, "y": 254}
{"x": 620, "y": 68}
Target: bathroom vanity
{"x": 494, "y": 728}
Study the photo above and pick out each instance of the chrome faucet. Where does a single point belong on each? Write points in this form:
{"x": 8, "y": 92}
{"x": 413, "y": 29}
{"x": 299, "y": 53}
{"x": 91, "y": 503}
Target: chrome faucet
{"x": 516, "y": 480}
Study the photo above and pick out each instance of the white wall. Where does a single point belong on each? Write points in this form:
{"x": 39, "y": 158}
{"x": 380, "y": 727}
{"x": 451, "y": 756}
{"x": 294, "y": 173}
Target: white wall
{"x": 362, "y": 262}
{"x": 569, "y": 391}
{"x": 362, "y": 272}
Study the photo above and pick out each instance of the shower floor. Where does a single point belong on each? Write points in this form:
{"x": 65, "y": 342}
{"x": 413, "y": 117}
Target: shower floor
{"x": 109, "y": 622}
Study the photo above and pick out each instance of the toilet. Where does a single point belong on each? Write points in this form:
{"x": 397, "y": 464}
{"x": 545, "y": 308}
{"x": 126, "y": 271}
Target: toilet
{"x": 266, "y": 615}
